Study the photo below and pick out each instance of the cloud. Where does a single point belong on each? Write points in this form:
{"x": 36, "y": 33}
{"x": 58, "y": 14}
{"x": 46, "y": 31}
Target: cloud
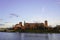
{"x": 2, "y": 24}
{"x": 12, "y": 14}
{"x": 6, "y": 25}
{"x": 58, "y": 2}
{"x": 43, "y": 9}
{"x": 7, "y": 22}
{"x": 1, "y": 19}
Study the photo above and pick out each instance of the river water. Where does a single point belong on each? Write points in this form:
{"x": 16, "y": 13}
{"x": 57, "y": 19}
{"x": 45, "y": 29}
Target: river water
{"x": 28, "y": 36}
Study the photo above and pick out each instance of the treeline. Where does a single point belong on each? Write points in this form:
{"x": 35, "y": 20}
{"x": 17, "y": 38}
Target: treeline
{"x": 40, "y": 29}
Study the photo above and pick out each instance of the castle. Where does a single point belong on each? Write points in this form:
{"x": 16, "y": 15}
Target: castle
{"x": 30, "y": 25}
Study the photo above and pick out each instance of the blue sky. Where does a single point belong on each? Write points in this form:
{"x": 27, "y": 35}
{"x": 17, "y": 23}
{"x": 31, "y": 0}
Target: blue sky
{"x": 30, "y": 11}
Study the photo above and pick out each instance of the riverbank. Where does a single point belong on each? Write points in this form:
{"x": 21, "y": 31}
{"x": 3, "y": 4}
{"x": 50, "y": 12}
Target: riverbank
{"x": 30, "y": 31}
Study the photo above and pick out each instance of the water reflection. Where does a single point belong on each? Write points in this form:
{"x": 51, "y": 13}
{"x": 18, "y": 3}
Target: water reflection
{"x": 28, "y": 36}
{"x": 54, "y": 36}
{"x": 32, "y": 36}
{"x": 22, "y": 36}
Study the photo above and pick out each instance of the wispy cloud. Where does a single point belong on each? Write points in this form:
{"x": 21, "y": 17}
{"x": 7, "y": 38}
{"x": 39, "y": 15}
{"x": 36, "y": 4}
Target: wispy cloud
{"x": 1, "y": 19}
{"x": 58, "y": 2}
{"x": 2, "y": 24}
{"x": 12, "y": 14}
{"x": 43, "y": 9}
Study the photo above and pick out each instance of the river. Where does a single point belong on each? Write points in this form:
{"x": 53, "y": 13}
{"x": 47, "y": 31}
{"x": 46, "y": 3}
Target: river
{"x": 29, "y": 36}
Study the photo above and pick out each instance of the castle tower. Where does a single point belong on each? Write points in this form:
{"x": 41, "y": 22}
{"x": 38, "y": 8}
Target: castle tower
{"x": 20, "y": 23}
{"x": 24, "y": 23}
{"x": 46, "y": 23}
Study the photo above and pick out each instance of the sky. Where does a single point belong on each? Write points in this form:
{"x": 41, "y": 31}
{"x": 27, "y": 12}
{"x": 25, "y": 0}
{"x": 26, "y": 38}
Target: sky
{"x": 15, "y": 11}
